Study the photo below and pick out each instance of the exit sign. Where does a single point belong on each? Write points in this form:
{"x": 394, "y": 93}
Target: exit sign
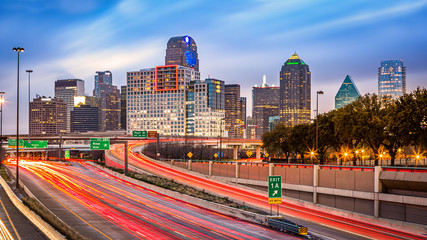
{"x": 274, "y": 189}
{"x": 139, "y": 134}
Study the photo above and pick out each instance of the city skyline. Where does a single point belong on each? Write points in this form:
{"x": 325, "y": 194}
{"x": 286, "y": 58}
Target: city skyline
{"x": 238, "y": 43}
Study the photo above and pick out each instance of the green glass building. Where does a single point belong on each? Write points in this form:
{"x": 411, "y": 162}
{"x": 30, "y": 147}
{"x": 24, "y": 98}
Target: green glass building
{"x": 347, "y": 93}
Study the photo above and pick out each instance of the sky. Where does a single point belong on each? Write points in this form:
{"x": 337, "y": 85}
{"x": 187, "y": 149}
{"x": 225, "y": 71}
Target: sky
{"x": 238, "y": 41}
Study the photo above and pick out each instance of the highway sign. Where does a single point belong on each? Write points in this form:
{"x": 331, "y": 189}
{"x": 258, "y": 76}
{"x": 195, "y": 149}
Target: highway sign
{"x": 139, "y": 134}
{"x": 35, "y": 144}
{"x": 99, "y": 144}
{"x": 249, "y": 153}
{"x": 152, "y": 134}
{"x": 216, "y": 155}
{"x": 190, "y": 154}
{"x": 12, "y": 143}
{"x": 266, "y": 154}
{"x": 67, "y": 154}
{"x": 274, "y": 189}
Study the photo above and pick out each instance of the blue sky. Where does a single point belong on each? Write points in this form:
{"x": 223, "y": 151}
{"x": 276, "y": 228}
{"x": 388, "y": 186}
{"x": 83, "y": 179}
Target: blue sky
{"x": 238, "y": 41}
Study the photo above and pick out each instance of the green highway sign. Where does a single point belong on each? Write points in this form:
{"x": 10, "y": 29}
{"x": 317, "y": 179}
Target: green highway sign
{"x": 67, "y": 154}
{"x": 12, "y": 143}
{"x": 139, "y": 134}
{"x": 99, "y": 144}
{"x": 35, "y": 144}
{"x": 274, "y": 189}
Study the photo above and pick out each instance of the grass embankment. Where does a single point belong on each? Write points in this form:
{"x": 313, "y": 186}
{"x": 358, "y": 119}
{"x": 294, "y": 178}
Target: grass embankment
{"x": 184, "y": 189}
{"x": 3, "y": 174}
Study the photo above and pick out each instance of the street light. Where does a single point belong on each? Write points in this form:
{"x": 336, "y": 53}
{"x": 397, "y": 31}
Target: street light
{"x": 1, "y": 126}
{"x": 18, "y": 50}
{"x": 317, "y": 121}
{"x": 29, "y": 71}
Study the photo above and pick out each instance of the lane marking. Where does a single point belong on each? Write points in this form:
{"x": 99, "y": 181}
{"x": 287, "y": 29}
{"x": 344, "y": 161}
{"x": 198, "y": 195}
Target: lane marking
{"x": 11, "y": 223}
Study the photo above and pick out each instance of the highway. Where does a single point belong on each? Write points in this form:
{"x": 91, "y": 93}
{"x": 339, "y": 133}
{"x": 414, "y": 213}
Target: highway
{"x": 365, "y": 229}
{"x": 101, "y": 206}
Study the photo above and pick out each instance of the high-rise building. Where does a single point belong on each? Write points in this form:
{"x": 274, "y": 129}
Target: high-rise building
{"x": 347, "y": 93}
{"x": 48, "y": 116}
{"x": 234, "y": 123}
{"x": 391, "y": 79}
{"x": 295, "y": 98}
{"x": 66, "y": 89}
{"x": 182, "y": 51}
{"x": 265, "y": 104}
{"x": 105, "y": 77}
{"x": 123, "y": 107}
{"x": 86, "y": 115}
{"x": 172, "y": 100}
{"x": 109, "y": 96}
{"x": 250, "y": 128}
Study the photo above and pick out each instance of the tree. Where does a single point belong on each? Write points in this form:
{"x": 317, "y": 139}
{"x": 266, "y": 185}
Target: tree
{"x": 326, "y": 137}
{"x": 277, "y": 140}
{"x": 301, "y": 138}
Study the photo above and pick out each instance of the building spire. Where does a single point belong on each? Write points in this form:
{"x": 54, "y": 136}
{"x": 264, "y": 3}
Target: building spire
{"x": 295, "y": 56}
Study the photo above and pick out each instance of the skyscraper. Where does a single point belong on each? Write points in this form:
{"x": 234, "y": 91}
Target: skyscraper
{"x": 86, "y": 115}
{"x": 66, "y": 89}
{"x": 295, "y": 98}
{"x": 123, "y": 107}
{"x": 347, "y": 93}
{"x": 182, "y": 51}
{"x": 391, "y": 79}
{"x": 109, "y": 96}
{"x": 234, "y": 121}
{"x": 105, "y": 77}
{"x": 265, "y": 104}
{"x": 48, "y": 116}
{"x": 172, "y": 100}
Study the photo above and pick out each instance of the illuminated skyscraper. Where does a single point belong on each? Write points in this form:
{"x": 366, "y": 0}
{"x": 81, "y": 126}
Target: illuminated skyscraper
{"x": 295, "y": 86}
{"x": 48, "y": 116}
{"x": 391, "y": 79}
{"x": 101, "y": 78}
{"x": 235, "y": 111}
{"x": 66, "y": 90}
{"x": 348, "y": 93}
{"x": 265, "y": 104}
{"x": 182, "y": 51}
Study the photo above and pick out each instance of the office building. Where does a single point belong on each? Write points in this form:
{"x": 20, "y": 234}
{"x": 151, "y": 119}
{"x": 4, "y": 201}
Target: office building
{"x": 295, "y": 87}
{"x": 347, "y": 93}
{"x": 234, "y": 119}
{"x": 65, "y": 90}
{"x": 182, "y": 51}
{"x": 48, "y": 116}
{"x": 250, "y": 128}
{"x": 109, "y": 96}
{"x": 265, "y": 104}
{"x": 101, "y": 78}
{"x": 172, "y": 100}
{"x": 123, "y": 107}
{"x": 391, "y": 79}
{"x": 85, "y": 116}
{"x": 273, "y": 121}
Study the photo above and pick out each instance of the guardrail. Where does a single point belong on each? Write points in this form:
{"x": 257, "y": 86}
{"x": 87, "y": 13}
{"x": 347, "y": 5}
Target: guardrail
{"x": 286, "y": 225}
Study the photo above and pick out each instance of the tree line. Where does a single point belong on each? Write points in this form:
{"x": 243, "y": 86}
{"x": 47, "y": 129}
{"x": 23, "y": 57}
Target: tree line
{"x": 370, "y": 123}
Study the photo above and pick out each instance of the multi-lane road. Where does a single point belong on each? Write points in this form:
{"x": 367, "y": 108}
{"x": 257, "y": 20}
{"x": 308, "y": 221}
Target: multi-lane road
{"x": 101, "y": 206}
{"x": 348, "y": 225}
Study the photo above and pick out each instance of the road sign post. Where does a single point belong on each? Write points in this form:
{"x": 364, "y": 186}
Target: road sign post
{"x": 67, "y": 154}
{"x": 99, "y": 144}
{"x": 275, "y": 191}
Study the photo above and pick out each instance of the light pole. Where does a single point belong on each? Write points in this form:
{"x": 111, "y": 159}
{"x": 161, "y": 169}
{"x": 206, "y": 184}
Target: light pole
{"x": 18, "y": 50}
{"x": 317, "y": 121}
{"x": 1, "y": 126}
{"x": 29, "y": 71}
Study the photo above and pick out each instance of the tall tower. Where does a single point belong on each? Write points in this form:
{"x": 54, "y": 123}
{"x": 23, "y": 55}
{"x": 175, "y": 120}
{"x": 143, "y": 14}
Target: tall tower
{"x": 235, "y": 109}
{"x": 182, "y": 51}
{"x": 295, "y": 86}
{"x": 106, "y": 78}
{"x": 109, "y": 96}
{"x": 265, "y": 104}
{"x": 66, "y": 90}
{"x": 48, "y": 116}
{"x": 391, "y": 79}
{"x": 347, "y": 94}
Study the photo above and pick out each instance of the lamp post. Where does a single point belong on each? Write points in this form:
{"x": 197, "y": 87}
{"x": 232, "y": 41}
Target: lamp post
{"x": 1, "y": 126}
{"x": 18, "y": 50}
{"x": 29, "y": 71}
{"x": 317, "y": 121}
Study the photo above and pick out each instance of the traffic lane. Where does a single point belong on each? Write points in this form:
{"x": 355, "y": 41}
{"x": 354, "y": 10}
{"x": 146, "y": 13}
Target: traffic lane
{"x": 71, "y": 212}
{"x": 18, "y": 225}
{"x": 172, "y": 217}
{"x": 340, "y": 223}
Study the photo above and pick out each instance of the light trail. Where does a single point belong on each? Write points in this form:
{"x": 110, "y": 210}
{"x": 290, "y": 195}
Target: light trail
{"x": 142, "y": 213}
{"x": 354, "y": 226}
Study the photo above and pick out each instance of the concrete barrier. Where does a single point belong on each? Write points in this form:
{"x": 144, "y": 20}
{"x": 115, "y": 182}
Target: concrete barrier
{"x": 48, "y": 230}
